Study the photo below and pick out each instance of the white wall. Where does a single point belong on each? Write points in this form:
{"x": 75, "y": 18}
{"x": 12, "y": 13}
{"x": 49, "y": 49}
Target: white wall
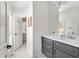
{"x": 69, "y": 14}
{"x": 2, "y": 22}
{"x": 40, "y": 24}
{"x": 10, "y": 29}
{"x": 30, "y": 31}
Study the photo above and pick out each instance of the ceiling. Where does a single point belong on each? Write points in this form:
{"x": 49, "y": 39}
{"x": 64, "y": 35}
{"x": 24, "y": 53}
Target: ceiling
{"x": 18, "y": 6}
{"x": 22, "y": 6}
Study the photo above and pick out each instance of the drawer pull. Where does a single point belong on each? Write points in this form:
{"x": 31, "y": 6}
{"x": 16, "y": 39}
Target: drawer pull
{"x": 64, "y": 49}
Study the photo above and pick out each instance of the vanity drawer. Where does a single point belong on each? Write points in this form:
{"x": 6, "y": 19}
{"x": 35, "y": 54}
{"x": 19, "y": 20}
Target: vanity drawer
{"x": 47, "y": 47}
{"x": 61, "y": 54}
{"x": 47, "y": 41}
{"x": 67, "y": 48}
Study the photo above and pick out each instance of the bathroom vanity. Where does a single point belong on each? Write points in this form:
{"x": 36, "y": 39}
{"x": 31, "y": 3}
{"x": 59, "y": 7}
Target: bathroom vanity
{"x": 54, "y": 47}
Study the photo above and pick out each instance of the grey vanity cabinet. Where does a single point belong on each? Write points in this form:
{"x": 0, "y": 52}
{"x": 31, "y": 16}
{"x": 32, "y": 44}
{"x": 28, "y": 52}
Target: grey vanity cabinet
{"x": 68, "y": 50}
{"x": 56, "y": 49}
{"x": 60, "y": 54}
{"x": 47, "y": 47}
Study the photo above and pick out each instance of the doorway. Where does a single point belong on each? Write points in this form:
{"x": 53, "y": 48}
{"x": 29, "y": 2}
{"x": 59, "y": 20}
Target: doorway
{"x": 13, "y": 29}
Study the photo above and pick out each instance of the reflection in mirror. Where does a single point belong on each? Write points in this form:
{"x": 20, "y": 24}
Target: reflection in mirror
{"x": 69, "y": 18}
{"x": 64, "y": 17}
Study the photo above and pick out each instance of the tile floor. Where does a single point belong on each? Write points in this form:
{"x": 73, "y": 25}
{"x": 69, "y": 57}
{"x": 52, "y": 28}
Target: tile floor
{"x": 41, "y": 55}
{"x": 21, "y": 52}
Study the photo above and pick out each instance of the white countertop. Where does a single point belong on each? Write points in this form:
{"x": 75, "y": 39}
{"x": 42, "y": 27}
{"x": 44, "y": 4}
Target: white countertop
{"x": 72, "y": 42}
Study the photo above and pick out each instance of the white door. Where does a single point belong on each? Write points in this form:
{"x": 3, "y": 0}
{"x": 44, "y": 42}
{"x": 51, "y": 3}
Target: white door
{"x": 3, "y": 30}
{"x": 17, "y": 33}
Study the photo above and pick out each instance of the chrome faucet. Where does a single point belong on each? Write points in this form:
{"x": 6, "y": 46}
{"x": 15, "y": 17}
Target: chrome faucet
{"x": 63, "y": 35}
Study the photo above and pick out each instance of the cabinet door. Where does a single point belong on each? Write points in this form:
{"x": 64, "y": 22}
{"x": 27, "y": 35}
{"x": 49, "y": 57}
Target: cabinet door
{"x": 47, "y": 47}
{"x": 17, "y": 31}
{"x": 61, "y": 54}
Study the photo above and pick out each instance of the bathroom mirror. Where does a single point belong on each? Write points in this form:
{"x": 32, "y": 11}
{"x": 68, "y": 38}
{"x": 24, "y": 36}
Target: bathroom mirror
{"x": 64, "y": 17}
{"x": 69, "y": 17}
